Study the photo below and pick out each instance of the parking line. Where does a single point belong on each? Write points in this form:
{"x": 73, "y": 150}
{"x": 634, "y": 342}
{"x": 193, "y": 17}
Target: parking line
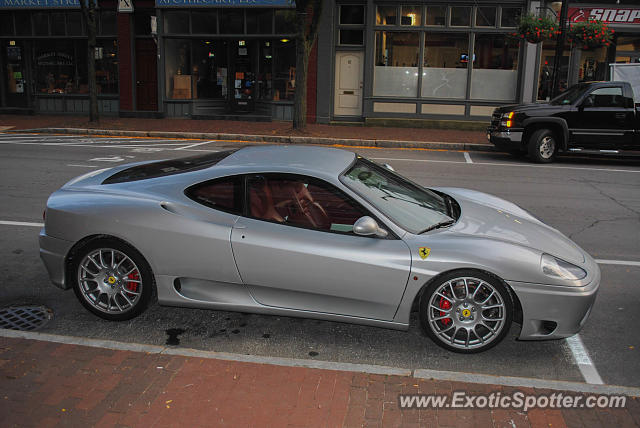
{"x": 583, "y": 361}
{"x": 193, "y": 145}
{"x": 467, "y": 157}
{"x": 20, "y": 223}
{"x": 617, "y": 262}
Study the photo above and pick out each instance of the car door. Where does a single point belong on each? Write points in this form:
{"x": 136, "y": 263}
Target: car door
{"x": 295, "y": 249}
{"x": 604, "y": 120}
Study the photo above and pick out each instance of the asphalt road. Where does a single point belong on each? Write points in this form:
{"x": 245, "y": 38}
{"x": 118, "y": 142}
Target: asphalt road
{"x": 595, "y": 201}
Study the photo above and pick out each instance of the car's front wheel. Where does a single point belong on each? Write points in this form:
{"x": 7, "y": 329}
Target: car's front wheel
{"x": 466, "y": 311}
{"x": 111, "y": 279}
{"x": 542, "y": 146}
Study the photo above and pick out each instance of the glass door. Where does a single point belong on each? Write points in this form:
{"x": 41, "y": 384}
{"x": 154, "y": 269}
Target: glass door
{"x": 242, "y": 76}
{"x": 14, "y": 74}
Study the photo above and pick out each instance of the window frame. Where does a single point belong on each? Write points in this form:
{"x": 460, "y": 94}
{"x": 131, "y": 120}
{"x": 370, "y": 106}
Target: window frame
{"x": 238, "y": 193}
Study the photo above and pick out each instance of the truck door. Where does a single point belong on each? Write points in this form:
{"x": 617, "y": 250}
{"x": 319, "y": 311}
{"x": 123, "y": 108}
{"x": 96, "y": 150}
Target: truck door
{"x": 605, "y": 119}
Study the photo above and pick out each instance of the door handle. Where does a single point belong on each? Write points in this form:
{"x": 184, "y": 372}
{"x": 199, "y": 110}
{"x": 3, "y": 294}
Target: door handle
{"x": 239, "y": 227}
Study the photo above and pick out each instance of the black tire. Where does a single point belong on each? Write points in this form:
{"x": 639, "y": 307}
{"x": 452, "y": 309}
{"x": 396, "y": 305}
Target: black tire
{"x": 542, "y": 146}
{"x": 484, "y": 337}
{"x": 122, "y": 286}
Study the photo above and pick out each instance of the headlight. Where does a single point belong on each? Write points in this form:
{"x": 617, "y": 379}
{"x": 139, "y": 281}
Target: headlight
{"x": 557, "y": 268}
{"x": 507, "y": 119}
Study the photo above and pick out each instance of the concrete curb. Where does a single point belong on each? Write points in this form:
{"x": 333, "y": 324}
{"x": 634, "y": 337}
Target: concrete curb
{"x": 521, "y": 382}
{"x": 276, "y": 139}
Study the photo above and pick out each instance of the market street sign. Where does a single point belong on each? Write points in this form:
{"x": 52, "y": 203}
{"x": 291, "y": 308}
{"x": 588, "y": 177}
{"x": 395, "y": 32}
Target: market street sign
{"x": 37, "y": 4}
{"x": 609, "y": 15}
{"x": 125, "y": 6}
{"x": 219, "y": 3}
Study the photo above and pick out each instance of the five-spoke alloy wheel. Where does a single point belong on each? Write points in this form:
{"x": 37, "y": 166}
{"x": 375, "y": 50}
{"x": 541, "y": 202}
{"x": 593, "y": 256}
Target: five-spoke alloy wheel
{"x": 112, "y": 279}
{"x": 466, "y": 311}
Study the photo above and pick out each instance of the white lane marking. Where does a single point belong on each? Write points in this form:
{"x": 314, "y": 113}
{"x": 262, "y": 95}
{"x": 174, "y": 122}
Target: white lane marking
{"x": 83, "y": 166}
{"x": 20, "y": 223}
{"x": 192, "y": 145}
{"x": 582, "y": 359}
{"x": 467, "y": 157}
{"x": 617, "y": 262}
{"x": 518, "y": 165}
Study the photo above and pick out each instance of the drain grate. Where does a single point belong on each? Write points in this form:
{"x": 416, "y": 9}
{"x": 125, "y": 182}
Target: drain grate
{"x": 24, "y": 318}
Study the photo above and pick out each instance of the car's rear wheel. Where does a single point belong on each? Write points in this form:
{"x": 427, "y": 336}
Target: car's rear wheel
{"x": 466, "y": 311}
{"x": 111, "y": 279}
{"x": 542, "y": 146}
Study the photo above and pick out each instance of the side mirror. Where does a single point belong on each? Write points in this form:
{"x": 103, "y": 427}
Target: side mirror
{"x": 366, "y": 226}
{"x": 587, "y": 102}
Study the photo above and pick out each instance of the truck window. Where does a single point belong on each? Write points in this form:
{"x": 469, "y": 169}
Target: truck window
{"x": 607, "y": 97}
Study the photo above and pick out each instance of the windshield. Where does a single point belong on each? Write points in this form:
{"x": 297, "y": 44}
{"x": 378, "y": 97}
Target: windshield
{"x": 569, "y": 96}
{"x": 410, "y": 206}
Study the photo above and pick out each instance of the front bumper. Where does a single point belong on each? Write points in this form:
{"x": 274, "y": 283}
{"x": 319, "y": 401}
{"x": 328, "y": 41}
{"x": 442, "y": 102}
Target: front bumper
{"x": 505, "y": 138}
{"x": 53, "y": 252}
{"x": 554, "y": 312}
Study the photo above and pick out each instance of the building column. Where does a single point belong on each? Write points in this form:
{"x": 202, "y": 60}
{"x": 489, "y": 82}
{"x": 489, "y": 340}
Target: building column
{"x": 530, "y": 65}
{"x": 312, "y": 84}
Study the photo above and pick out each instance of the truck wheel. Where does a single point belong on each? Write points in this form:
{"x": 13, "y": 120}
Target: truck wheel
{"x": 542, "y": 146}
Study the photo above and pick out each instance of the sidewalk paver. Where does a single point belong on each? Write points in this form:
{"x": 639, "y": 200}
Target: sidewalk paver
{"x": 52, "y": 384}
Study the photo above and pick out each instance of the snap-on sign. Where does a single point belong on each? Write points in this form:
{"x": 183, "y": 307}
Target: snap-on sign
{"x": 608, "y": 15}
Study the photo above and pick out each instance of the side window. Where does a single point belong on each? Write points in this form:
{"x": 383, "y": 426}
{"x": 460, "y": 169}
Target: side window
{"x": 302, "y": 202}
{"x": 607, "y": 97}
{"x": 223, "y": 194}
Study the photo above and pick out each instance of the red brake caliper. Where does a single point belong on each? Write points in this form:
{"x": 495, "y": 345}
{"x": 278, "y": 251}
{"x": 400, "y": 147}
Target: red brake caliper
{"x": 133, "y": 286}
{"x": 444, "y": 304}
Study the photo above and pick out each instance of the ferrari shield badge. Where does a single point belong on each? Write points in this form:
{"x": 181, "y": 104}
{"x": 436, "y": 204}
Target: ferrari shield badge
{"x": 424, "y": 252}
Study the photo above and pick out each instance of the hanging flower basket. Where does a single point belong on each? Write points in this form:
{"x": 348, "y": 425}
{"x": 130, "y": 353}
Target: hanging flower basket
{"x": 590, "y": 34}
{"x": 536, "y": 29}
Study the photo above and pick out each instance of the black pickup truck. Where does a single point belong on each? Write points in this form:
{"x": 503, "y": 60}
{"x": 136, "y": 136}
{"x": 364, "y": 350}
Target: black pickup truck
{"x": 590, "y": 117}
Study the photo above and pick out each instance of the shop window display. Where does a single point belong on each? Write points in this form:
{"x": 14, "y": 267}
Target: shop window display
{"x": 494, "y": 75}
{"x": 444, "y": 73}
{"x": 396, "y": 64}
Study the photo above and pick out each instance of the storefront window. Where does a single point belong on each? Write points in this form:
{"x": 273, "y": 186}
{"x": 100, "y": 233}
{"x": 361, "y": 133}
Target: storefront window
{"x": 57, "y": 24}
{"x": 204, "y": 22}
{"x": 23, "y": 23}
{"x": 108, "y": 23}
{"x": 107, "y": 67}
{"x": 396, "y": 64}
{"x": 61, "y": 67}
{"x": 41, "y": 24}
{"x": 285, "y": 21}
{"x": 486, "y": 16}
{"x": 386, "y": 15}
{"x": 176, "y": 22}
{"x": 411, "y": 15}
{"x": 74, "y": 24}
{"x": 285, "y": 70}
{"x": 593, "y": 65}
{"x": 260, "y": 21}
{"x": 460, "y": 16}
{"x": 436, "y": 15}
{"x": 546, "y": 70}
{"x": 510, "y": 16}
{"x": 351, "y": 14}
{"x": 209, "y": 69}
{"x": 351, "y": 37}
{"x": 177, "y": 54}
{"x": 231, "y": 21}
{"x": 628, "y": 49}
{"x": 264, "y": 79}
{"x": 494, "y": 75}
{"x": 6, "y": 24}
{"x": 445, "y": 65}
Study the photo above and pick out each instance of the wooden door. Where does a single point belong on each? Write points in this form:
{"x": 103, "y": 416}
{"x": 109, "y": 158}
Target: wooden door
{"x": 146, "y": 75}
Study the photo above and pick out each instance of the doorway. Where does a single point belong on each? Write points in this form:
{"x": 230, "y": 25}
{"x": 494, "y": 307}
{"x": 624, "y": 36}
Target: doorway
{"x": 146, "y": 75}
{"x": 14, "y": 76}
{"x": 348, "y": 84}
{"x": 242, "y": 77}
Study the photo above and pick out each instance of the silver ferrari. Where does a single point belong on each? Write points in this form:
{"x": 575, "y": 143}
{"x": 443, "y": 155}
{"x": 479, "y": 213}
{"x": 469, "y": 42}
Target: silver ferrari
{"x": 319, "y": 233}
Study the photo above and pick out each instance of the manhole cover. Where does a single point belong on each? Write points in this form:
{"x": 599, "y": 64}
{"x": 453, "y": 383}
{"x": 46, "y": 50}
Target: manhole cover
{"x": 25, "y": 318}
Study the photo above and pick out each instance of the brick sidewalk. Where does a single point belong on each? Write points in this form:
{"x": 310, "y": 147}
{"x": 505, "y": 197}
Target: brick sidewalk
{"x": 251, "y": 128}
{"x": 45, "y": 384}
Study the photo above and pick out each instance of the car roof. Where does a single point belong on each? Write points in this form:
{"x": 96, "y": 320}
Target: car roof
{"x": 318, "y": 160}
